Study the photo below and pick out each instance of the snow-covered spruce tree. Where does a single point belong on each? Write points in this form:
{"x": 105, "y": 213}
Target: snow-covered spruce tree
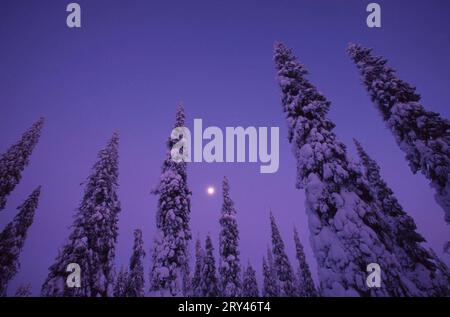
{"x": 92, "y": 241}
{"x": 170, "y": 267}
{"x": 208, "y": 283}
{"x": 121, "y": 285}
{"x": 338, "y": 202}
{"x": 306, "y": 287}
{"x": 229, "y": 266}
{"x": 249, "y": 284}
{"x": 270, "y": 280}
{"x": 12, "y": 239}
{"x": 283, "y": 267}
{"x": 423, "y": 135}
{"x": 14, "y": 161}
{"x": 136, "y": 271}
{"x": 196, "y": 279}
{"x": 400, "y": 234}
{"x": 23, "y": 290}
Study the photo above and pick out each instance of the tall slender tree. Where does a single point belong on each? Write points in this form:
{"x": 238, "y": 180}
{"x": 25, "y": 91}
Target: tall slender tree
{"x": 270, "y": 280}
{"x": 92, "y": 241}
{"x": 16, "y": 158}
{"x": 170, "y": 267}
{"x": 136, "y": 279}
{"x": 12, "y": 239}
{"x": 122, "y": 283}
{"x": 197, "y": 278}
{"x": 424, "y": 136}
{"x": 229, "y": 267}
{"x": 249, "y": 284}
{"x": 400, "y": 233}
{"x": 306, "y": 287}
{"x": 23, "y": 290}
{"x": 338, "y": 202}
{"x": 283, "y": 267}
{"x": 209, "y": 284}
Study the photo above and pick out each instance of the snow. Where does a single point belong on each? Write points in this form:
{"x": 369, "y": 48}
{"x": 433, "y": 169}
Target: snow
{"x": 12, "y": 240}
{"x": 305, "y": 283}
{"x": 209, "y": 283}
{"x": 170, "y": 250}
{"x": 343, "y": 221}
{"x": 16, "y": 158}
{"x": 229, "y": 268}
{"x": 399, "y": 232}
{"x": 423, "y": 135}
{"x": 282, "y": 265}
{"x": 136, "y": 281}
{"x": 249, "y": 284}
{"x": 271, "y": 287}
{"x": 94, "y": 233}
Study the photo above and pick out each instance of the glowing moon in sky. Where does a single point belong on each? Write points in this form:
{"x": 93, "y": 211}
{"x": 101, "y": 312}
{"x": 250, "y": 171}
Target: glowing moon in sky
{"x": 210, "y": 190}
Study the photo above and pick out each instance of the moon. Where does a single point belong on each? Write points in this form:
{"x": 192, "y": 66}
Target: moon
{"x": 210, "y": 190}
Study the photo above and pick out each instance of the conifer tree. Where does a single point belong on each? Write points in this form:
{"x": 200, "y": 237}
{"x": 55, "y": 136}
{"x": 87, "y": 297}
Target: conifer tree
{"x": 400, "y": 233}
{"x": 283, "y": 268}
{"x": 136, "y": 271}
{"x": 249, "y": 284}
{"x": 229, "y": 267}
{"x": 23, "y": 290}
{"x": 122, "y": 283}
{"x": 209, "y": 284}
{"x": 170, "y": 267}
{"x": 196, "y": 279}
{"x": 342, "y": 220}
{"x": 91, "y": 243}
{"x": 306, "y": 287}
{"x": 270, "y": 280}
{"x": 424, "y": 136}
{"x": 14, "y": 161}
{"x": 12, "y": 239}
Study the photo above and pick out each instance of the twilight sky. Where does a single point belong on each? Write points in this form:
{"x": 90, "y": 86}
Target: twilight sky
{"x": 133, "y": 61}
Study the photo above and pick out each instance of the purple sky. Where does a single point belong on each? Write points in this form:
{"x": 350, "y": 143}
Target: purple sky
{"x": 133, "y": 61}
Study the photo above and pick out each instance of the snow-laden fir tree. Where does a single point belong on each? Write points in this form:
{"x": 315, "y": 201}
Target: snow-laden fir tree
{"x": 16, "y": 158}
{"x": 208, "y": 283}
{"x": 92, "y": 241}
{"x": 136, "y": 270}
{"x": 400, "y": 234}
{"x": 170, "y": 267}
{"x": 249, "y": 284}
{"x": 229, "y": 266}
{"x": 338, "y": 202}
{"x": 266, "y": 287}
{"x": 23, "y": 290}
{"x": 423, "y": 135}
{"x": 121, "y": 284}
{"x": 306, "y": 287}
{"x": 270, "y": 280}
{"x": 12, "y": 239}
{"x": 283, "y": 268}
{"x": 196, "y": 279}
